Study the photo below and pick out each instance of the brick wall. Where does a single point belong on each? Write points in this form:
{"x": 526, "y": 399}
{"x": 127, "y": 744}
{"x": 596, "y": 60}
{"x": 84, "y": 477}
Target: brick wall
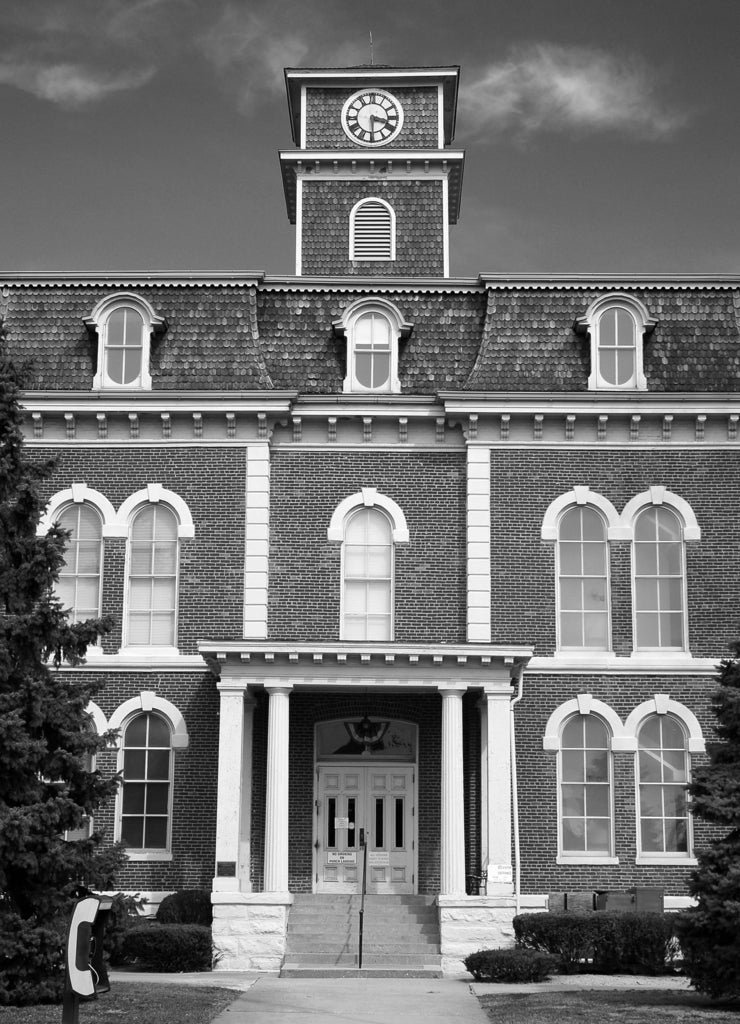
{"x": 523, "y": 483}
{"x": 195, "y": 777}
{"x": 305, "y": 577}
{"x": 537, "y": 774}
{"x": 212, "y": 483}
{"x": 324, "y": 118}
{"x": 419, "y": 227}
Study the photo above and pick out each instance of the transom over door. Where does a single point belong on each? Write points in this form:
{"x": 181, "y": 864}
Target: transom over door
{"x": 379, "y": 799}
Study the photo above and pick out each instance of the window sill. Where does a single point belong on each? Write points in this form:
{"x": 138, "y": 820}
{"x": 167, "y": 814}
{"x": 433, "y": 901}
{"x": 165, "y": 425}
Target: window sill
{"x": 148, "y": 855}
{"x": 679, "y": 862}
{"x": 569, "y": 859}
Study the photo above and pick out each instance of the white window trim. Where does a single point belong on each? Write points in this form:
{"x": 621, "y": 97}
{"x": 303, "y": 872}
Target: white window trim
{"x": 151, "y": 494}
{"x": 658, "y": 495}
{"x": 98, "y": 322}
{"x": 352, "y": 216}
{"x": 589, "y": 324}
{"x": 392, "y": 597}
{"x": 368, "y": 497}
{"x": 662, "y": 704}
{"x": 400, "y": 330}
{"x": 77, "y": 494}
{"x": 148, "y": 701}
{"x": 584, "y": 704}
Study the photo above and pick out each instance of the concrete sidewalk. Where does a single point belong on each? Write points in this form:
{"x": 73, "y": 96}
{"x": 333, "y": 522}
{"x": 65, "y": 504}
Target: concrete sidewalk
{"x": 273, "y": 1000}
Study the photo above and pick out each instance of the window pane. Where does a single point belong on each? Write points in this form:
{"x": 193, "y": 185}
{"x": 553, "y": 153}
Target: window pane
{"x": 135, "y": 735}
{"x": 596, "y": 632}
{"x": 159, "y": 764}
{"x": 574, "y": 802}
{"x": 573, "y": 732}
{"x": 674, "y": 801}
{"x": 133, "y": 797}
{"x": 646, "y": 595}
{"x": 676, "y": 837}
{"x": 570, "y": 594}
{"x": 571, "y": 634}
{"x": 650, "y": 767}
{"x": 594, "y": 558}
{"x": 157, "y": 797}
{"x": 595, "y": 732}
{"x": 132, "y": 832}
{"x": 134, "y": 764}
{"x": 597, "y": 835}
{"x": 625, "y": 367}
{"x": 597, "y": 801}
{"x": 159, "y": 732}
{"x": 650, "y": 732}
{"x": 574, "y": 835}
{"x": 672, "y": 733}
{"x": 596, "y": 765}
{"x": 651, "y": 801}
{"x": 163, "y": 629}
{"x": 573, "y": 766}
{"x": 651, "y": 836}
{"x": 156, "y": 833}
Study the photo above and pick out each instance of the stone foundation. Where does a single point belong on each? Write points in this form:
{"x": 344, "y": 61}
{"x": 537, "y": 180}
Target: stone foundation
{"x": 249, "y": 929}
{"x": 470, "y": 923}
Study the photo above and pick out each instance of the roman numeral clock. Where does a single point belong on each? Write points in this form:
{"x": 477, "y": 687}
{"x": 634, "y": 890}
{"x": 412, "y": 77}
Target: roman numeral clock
{"x": 372, "y": 118}
{"x": 373, "y": 184}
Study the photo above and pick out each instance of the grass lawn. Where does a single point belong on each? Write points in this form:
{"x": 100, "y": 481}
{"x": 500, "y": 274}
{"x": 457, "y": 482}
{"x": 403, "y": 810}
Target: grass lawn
{"x": 132, "y": 1003}
{"x": 608, "y": 1007}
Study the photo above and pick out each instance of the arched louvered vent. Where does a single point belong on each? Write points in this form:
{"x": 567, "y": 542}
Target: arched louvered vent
{"x": 372, "y": 231}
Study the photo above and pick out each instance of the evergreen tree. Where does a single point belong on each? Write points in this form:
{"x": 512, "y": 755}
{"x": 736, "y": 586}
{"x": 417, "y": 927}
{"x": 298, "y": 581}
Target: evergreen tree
{"x": 710, "y": 931}
{"x": 46, "y": 787}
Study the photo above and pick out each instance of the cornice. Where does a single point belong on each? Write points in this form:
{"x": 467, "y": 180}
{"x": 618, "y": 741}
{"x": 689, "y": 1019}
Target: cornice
{"x": 608, "y": 281}
{"x": 122, "y": 279}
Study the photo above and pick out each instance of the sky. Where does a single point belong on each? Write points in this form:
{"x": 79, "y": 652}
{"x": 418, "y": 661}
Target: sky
{"x": 601, "y": 136}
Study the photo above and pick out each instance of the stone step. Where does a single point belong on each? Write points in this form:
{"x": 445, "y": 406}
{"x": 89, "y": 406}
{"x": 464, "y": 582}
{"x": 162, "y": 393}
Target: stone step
{"x": 329, "y": 944}
{"x": 350, "y": 958}
{"x": 375, "y": 932}
{"x": 317, "y": 971}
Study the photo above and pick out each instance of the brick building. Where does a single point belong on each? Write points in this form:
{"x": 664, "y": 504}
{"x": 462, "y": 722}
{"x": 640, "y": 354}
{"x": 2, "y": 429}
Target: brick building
{"x": 449, "y": 563}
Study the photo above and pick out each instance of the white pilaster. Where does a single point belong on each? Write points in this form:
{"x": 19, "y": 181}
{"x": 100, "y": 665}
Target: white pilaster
{"x": 234, "y": 787}
{"x": 496, "y": 805}
{"x": 452, "y": 868}
{"x": 257, "y": 540}
{"x": 479, "y": 544}
{"x": 276, "y": 823}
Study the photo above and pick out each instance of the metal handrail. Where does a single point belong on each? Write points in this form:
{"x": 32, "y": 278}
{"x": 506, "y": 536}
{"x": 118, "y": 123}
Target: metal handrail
{"x": 364, "y": 891}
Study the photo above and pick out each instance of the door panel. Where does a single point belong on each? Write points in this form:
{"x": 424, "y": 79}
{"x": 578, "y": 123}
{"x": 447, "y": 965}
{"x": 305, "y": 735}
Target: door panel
{"x": 378, "y": 800}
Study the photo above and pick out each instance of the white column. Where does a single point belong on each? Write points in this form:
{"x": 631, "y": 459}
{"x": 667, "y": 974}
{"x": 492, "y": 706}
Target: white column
{"x": 479, "y": 544}
{"x": 257, "y": 540}
{"x": 452, "y": 868}
{"x": 496, "y": 809}
{"x": 234, "y": 785}
{"x": 276, "y": 823}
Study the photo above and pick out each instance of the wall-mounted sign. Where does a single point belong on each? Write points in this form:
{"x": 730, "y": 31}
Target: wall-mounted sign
{"x": 342, "y": 858}
{"x": 341, "y": 823}
{"x": 500, "y": 873}
{"x": 378, "y": 858}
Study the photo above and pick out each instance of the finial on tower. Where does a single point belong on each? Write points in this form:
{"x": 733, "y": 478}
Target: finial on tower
{"x": 372, "y": 59}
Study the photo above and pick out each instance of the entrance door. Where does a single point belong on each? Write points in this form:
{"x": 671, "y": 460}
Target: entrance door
{"x": 379, "y": 799}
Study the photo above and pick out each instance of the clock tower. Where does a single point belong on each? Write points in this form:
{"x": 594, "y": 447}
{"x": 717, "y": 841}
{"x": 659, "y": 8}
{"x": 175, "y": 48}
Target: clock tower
{"x": 372, "y": 186}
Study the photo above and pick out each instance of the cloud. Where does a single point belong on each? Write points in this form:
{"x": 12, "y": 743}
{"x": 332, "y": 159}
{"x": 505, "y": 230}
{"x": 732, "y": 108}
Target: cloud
{"x": 554, "y": 88}
{"x": 250, "y": 47}
{"x": 69, "y": 85}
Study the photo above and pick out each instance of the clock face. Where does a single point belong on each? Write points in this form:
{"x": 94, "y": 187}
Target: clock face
{"x": 372, "y": 117}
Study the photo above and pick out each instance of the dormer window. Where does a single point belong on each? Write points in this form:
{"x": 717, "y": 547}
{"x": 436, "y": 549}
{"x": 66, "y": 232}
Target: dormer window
{"x": 372, "y": 231}
{"x": 616, "y": 325}
{"x": 124, "y": 325}
{"x": 373, "y": 330}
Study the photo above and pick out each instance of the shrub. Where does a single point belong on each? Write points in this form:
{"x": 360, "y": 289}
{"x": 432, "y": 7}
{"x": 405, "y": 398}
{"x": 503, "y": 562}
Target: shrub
{"x": 189, "y": 906}
{"x": 569, "y": 937}
{"x": 510, "y": 965}
{"x": 170, "y": 947}
{"x": 603, "y": 941}
{"x": 124, "y": 913}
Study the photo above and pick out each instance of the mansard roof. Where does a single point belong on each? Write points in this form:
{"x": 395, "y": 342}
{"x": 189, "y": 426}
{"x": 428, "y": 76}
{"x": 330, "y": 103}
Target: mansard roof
{"x": 237, "y": 332}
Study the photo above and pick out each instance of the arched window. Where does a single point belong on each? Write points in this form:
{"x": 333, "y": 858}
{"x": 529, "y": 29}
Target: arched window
{"x": 367, "y": 572}
{"x": 585, "y": 788}
{"x": 373, "y": 330}
{"x": 659, "y": 580}
{"x": 80, "y": 578}
{"x": 583, "y": 580}
{"x": 146, "y": 792}
{"x": 372, "y": 231}
{"x": 152, "y": 577}
{"x": 617, "y": 325}
{"x": 663, "y": 775}
{"x": 124, "y": 324}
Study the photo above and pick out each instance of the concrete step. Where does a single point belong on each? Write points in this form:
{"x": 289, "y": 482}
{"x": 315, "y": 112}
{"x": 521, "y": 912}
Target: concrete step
{"x": 351, "y": 957}
{"x": 386, "y": 948}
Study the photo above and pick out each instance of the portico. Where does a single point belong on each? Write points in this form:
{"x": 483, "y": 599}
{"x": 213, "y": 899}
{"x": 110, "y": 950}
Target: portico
{"x": 256, "y": 874}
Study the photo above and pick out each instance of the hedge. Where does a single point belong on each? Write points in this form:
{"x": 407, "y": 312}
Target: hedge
{"x": 603, "y": 942}
{"x": 188, "y": 906}
{"x": 510, "y": 965}
{"x": 170, "y": 947}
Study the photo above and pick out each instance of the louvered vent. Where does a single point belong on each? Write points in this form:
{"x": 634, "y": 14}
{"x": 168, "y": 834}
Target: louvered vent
{"x": 372, "y": 234}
